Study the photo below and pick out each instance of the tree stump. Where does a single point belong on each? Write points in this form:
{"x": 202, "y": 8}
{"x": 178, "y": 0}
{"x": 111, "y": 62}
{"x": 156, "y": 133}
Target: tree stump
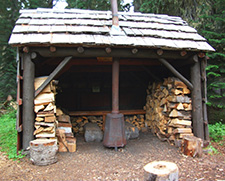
{"x": 161, "y": 171}
{"x": 43, "y": 151}
{"x": 192, "y": 146}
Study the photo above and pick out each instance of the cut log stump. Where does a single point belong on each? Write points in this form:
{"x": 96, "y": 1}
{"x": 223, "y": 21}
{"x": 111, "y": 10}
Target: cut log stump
{"x": 43, "y": 151}
{"x": 192, "y": 146}
{"x": 161, "y": 171}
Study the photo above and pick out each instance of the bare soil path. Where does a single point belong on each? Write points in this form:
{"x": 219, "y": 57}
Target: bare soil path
{"x": 92, "y": 161}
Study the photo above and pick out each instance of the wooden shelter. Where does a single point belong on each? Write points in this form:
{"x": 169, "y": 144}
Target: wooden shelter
{"x": 79, "y": 47}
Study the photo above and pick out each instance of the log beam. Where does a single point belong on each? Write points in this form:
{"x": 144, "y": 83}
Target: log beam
{"x": 196, "y": 95}
{"x": 115, "y": 52}
{"x": 176, "y": 73}
{"x": 28, "y": 100}
{"x": 52, "y": 75}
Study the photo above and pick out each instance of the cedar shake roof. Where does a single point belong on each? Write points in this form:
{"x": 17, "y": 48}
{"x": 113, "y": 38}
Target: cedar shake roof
{"x": 75, "y": 27}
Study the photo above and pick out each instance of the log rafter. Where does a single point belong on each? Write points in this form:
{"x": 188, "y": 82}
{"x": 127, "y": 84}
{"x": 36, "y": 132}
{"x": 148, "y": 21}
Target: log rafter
{"x": 176, "y": 73}
{"x": 52, "y": 75}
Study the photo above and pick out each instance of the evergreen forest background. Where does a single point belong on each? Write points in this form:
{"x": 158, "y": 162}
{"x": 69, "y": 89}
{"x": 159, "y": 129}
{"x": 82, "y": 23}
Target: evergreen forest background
{"x": 207, "y": 16}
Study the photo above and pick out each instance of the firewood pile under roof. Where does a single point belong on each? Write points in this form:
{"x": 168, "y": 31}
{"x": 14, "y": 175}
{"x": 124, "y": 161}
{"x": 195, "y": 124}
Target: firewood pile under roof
{"x": 74, "y": 27}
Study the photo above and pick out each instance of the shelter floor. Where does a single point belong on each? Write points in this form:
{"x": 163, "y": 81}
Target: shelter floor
{"x": 92, "y": 161}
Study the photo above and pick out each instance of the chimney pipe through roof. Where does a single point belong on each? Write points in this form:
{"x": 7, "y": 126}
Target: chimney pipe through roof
{"x": 115, "y": 19}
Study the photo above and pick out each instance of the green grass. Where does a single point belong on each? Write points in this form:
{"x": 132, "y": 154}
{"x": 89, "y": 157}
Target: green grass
{"x": 214, "y": 150}
{"x": 217, "y": 134}
{"x": 8, "y": 135}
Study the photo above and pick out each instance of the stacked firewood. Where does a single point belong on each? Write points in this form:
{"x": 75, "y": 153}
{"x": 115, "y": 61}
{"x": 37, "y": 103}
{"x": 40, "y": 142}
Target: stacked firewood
{"x": 79, "y": 122}
{"x": 168, "y": 109}
{"x": 66, "y": 140}
{"x": 137, "y": 120}
{"x": 45, "y": 109}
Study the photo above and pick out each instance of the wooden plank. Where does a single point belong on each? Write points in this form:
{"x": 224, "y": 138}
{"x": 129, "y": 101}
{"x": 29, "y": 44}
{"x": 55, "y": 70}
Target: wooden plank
{"x": 19, "y": 109}
{"x": 204, "y": 97}
{"x": 52, "y": 75}
{"x": 45, "y": 29}
{"x": 16, "y": 39}
{"x": 128, "y": 31}
{"x": 96, "y": 113}
{"x": 61, "y": 38}
{"x": 32, "y": 29}
{"x": 176, "y": 73}
{"x": 58, "y": 29}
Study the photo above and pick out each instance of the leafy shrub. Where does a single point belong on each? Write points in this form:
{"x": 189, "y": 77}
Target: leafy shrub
{"x": 217, "y": 131}
{"x": 8, "y": 135}
{"x": 213, "y": 150}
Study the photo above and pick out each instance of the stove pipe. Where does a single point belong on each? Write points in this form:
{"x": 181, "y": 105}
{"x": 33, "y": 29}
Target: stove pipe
{"x": 114, "y": 7}
{"x": 114, "y": 134}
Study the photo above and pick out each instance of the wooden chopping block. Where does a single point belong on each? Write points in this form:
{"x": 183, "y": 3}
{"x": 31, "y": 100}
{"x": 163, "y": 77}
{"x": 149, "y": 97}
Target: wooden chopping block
{"x": 161, "y": 170}
{"x": 43, "y": 151}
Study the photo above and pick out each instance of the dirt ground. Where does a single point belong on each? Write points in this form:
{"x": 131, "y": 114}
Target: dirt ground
{"x": 92, "y": 161}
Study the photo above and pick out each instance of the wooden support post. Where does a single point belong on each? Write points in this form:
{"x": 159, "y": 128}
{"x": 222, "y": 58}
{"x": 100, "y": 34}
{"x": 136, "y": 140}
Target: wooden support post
{"x": 28, "y": 100}
{"x": 196, "y": 95}
{"x": 52, "y": 75}
{"x": 176, "y": 73}
{"x": 19, "y": 102}
{"x": 204, "y": 97}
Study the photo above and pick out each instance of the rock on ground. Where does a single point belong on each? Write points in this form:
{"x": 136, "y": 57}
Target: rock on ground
{"x": 92, "y": 133}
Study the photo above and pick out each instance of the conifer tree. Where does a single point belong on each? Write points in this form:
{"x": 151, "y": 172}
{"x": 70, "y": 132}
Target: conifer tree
{"x": 9, "y": 13}
{"x": 93, "y": 4}
{"x": 213, "y": 29}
